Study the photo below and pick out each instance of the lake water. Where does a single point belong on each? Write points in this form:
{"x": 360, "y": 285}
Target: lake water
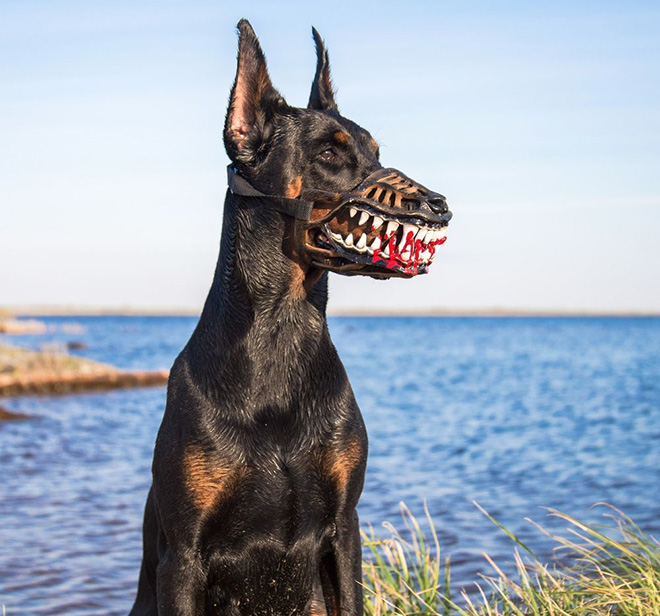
{"x": 515, "y": 413}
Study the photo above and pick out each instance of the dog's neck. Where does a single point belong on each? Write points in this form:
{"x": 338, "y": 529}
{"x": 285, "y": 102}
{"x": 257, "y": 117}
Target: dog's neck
{"x": 254, "y": 275}
{"x": 260, "y": 305}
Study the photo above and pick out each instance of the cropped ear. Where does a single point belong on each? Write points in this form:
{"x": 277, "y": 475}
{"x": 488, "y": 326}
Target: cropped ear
{"x": 322, "y": 96}
{"x": 253, "y": 101}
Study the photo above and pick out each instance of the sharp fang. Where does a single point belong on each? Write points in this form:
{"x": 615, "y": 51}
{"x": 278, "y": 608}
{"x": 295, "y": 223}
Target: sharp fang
{"x": 386, "y": 250}
{"x": 349, "y": 240}
{"x": 375, "y": 245}
{"x": 353, "y": 211}
{"x": 335, "y": 236}
{"x": 362, "y": 243}
{"x": 378, "y": 221}
{"x": 391, "y": 228}
{"x": 363, "y": 218}
{"x": 407, "y": 230}
{"x": 421, "y": 234}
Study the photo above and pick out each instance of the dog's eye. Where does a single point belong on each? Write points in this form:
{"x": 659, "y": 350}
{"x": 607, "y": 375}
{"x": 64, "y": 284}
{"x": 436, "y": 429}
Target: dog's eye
{"x": 328, "y": 156}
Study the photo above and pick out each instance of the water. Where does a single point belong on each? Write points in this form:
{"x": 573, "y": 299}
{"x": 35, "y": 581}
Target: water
{"x": 515, "y": 413}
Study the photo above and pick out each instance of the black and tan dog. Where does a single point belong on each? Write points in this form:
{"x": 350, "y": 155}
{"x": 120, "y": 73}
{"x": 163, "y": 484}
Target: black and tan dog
{"x": 260, "y": 458}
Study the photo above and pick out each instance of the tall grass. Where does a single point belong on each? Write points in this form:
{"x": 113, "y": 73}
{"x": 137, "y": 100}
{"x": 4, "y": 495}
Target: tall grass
{"x": 605, "y": 570}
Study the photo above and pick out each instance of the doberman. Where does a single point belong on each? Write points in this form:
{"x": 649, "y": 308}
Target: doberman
{"x": 260, "y": 457}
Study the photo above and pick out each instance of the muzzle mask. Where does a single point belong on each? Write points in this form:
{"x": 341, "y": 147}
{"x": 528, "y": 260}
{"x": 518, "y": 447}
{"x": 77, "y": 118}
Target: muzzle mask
{"x": 388, "y": 225}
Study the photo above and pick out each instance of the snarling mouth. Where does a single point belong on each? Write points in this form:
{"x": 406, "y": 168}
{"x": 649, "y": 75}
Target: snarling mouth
{"x": 388, "y": 225}
{"x": 402, "y": 245}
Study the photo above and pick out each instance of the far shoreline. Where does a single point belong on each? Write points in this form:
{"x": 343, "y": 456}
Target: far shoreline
{"x": 77, "y": 311}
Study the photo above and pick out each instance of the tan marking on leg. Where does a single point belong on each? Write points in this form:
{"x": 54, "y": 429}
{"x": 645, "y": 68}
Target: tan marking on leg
{"x": 317, "y": 605}
{"x": 208, "y": 479}
{"x": 294, "y": 188}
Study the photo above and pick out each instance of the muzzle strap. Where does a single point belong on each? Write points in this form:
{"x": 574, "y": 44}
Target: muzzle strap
{"x": 298, "y": 208}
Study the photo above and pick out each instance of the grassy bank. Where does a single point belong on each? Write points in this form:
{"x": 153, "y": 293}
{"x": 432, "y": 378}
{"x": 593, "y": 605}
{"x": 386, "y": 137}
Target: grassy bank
{"x": 608, "y": 570}
{"x": 25, "y": 372}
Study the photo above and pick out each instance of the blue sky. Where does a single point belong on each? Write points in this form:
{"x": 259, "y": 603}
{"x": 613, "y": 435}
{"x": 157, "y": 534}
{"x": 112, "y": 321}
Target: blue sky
{"x": 539, "y": 121}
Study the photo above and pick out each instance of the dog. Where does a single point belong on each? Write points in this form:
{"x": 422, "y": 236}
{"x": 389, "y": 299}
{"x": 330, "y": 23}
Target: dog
{"x": 260, "y": 458}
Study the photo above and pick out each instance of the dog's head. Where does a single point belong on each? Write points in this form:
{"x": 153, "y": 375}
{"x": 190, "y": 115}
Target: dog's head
{"x": 365, "y": 219}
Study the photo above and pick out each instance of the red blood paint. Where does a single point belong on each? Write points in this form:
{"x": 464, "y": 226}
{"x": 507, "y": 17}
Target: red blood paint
{"x": 415, "y": 247}
{"x": 391, "y": 263}
{"x": 418, "y": 251}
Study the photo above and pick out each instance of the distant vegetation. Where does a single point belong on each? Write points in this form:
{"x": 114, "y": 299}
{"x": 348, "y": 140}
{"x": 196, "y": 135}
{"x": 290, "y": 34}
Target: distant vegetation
{"x": 10, "y": 325}
{"x": 609, "y": 570}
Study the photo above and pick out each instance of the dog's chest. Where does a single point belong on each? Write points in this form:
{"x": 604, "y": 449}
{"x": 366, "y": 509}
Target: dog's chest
{"x": 282, "y": 486}
{"x": 279, "y": 498}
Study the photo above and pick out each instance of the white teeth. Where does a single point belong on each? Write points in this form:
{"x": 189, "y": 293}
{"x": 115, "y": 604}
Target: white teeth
{"x": 349, "y": 240}
{"x": 362, "y": 243}
{"x": 353, "y": 211}
{"x": 407, "y": 230}
{"x": 386, "y": 249}
{"x": 363, "y": 218}
{"x": 375, "y": 245}
{"x": 421, "y": 234}
{"x": 391, "y": 228}
{"x": 378, "y": 221}
{"x": 335, "y": 236}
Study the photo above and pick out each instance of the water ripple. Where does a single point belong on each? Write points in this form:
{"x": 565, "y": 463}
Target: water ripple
{"x": 517, "y": 414}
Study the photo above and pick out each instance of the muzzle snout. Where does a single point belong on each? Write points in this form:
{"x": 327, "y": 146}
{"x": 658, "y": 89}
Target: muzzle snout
{"x": 395, "y": 193}
{"x": 437, "y": 207}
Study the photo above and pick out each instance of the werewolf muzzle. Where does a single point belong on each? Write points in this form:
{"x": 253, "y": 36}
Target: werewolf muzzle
{"x": 388, "y": 225}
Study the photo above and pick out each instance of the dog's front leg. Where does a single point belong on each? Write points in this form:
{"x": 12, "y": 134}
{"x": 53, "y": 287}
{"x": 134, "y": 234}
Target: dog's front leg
{"x": 347, "y": 565}
{"x": 180, "y": 584}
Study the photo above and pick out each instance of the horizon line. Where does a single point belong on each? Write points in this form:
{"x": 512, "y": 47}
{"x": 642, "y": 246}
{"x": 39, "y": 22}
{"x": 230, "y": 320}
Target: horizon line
{"x": 495, "y": 311}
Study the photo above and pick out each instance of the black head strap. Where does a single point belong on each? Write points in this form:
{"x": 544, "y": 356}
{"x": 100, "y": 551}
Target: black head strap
{"x": 298, "y": 208}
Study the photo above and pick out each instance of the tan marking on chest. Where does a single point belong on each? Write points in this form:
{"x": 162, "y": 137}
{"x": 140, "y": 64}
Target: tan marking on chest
{"x": 209, "y": 479}
{"x": 343, "y": 461}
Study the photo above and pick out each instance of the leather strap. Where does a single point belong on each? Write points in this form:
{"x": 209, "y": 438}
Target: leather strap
{"x": 298, "y": 208}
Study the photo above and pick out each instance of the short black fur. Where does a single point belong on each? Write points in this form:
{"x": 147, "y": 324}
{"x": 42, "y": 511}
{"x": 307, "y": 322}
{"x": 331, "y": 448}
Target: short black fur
{"x": 260, "y": 458}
